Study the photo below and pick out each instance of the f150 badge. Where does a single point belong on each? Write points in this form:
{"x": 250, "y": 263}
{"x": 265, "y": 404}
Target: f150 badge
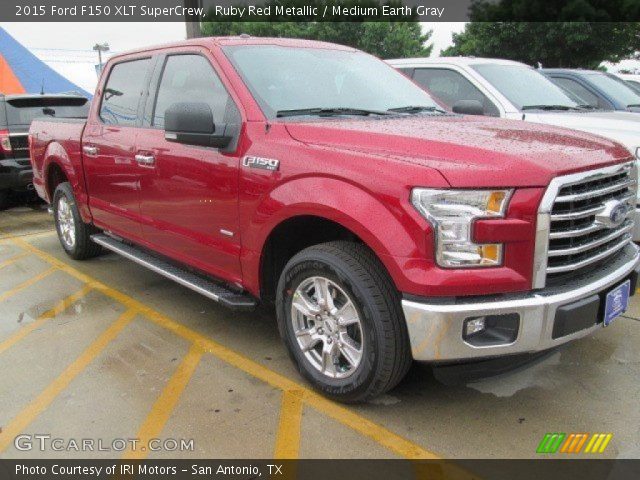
{"x": 262, "y": 163}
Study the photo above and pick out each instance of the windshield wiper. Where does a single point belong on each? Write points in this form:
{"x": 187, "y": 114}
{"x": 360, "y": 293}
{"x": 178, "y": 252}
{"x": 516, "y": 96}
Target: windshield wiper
{"x": 633, "y": 105}
{"x": 329, "y": 112}
{"x": 588, "y": 107}
{"x": 416, "y": 109}
{"x": 548, "y": 107}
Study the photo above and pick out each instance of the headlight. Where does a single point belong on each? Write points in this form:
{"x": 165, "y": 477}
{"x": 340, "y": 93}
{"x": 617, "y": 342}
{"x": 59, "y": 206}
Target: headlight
{"x": 452, "y": 212}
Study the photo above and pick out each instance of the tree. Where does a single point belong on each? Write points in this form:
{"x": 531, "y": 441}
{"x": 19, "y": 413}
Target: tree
{"x": 395, "y": 39}
{"x": 553, "y": 44}
{"x": 556, "y": 33}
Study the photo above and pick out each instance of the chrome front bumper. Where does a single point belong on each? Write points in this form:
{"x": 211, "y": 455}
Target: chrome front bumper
{"x": 436, "y": 329}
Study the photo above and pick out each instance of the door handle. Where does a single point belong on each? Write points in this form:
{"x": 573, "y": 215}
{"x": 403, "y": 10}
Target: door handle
{"x": 145, "y": 160}
{"x": 90, "y": 150}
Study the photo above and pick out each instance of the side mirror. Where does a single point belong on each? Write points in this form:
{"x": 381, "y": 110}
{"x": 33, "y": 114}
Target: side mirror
{"x": 191, "y": 123}
{"x": 468, "y": 107}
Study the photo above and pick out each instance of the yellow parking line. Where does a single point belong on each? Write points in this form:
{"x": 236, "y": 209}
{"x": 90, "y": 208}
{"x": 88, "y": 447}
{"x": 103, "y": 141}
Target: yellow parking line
{"x": 166, "y": 403}
{"x": 51, "y": 313}
{"x": 288, "y": 438}
{"x": 28, "y": 283}
{"x": 380, "y": 434}
{"x": 9, "y": 237}
{"x": 366, "y": 427}
{"x": 42, "y": 401}
{"x": 13, "y": 260}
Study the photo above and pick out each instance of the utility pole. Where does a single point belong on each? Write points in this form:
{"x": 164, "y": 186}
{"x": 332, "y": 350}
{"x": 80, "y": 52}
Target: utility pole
{"x": 192, "y": 22}
{"x": 101, "y": 48}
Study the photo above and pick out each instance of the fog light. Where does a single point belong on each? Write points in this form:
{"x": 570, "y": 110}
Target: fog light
{"x": 491, "y": 330}
{"x": 473, "y": 326}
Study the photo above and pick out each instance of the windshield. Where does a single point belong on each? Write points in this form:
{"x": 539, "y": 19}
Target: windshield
{"x": 286, "y": 78}
{"x": 21, "y": 111}
{"x": 524, "y": 87}
{"x": 615, "y": 88}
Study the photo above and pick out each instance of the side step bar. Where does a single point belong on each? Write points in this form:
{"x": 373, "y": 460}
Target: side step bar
{"x": 214, "y": 291}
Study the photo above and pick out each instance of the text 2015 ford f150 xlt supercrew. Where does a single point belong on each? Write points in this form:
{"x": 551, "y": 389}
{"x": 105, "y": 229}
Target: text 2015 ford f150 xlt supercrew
{"x": 317, "y": 177}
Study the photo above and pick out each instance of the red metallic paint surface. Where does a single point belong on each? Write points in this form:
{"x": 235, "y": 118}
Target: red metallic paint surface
{"x": 356, "y": 172}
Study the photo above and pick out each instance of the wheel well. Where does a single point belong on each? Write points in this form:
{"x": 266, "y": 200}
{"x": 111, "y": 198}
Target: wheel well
{"x": 289, "y": 238}
{"x": 55, "y": 176}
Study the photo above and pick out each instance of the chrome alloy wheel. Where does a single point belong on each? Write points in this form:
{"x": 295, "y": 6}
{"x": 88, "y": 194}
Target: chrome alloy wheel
{"x": 327, "y": 327}
{"x": 66, "y": 223}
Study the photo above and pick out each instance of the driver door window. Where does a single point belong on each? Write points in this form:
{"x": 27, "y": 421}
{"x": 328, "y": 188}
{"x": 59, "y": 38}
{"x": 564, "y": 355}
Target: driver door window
{"x": 450, "y": 87}
{"x": 585, "y": 96}
{"x": 187, "y": 79}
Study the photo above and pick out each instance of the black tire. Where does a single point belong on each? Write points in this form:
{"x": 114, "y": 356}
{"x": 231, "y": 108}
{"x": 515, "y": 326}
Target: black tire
{"x": 83, "y": 247}
{"x": 4, "y": 199}
{"x": 386, "y": 354}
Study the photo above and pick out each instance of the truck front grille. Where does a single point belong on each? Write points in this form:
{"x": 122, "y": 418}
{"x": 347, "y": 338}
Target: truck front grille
{"x": 578, "y": 214}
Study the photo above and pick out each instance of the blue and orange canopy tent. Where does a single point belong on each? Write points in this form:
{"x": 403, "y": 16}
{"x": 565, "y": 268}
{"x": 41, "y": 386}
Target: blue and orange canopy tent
{"x": 22, "y": 72}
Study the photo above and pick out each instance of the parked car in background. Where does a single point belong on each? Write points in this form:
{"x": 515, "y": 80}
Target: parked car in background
{"x": 316, "y": 177}
{"x": 508, "y": 89}
{"x": 631, "y": 79}
{"x": 16, "y": 114}
{"x": 598, "y": 89}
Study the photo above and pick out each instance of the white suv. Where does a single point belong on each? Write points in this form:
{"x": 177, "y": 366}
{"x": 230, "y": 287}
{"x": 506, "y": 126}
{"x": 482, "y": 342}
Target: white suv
{"x": 508, "y": 89}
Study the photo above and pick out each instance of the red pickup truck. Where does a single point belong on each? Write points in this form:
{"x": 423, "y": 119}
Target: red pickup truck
{"x": 316, "y": 177}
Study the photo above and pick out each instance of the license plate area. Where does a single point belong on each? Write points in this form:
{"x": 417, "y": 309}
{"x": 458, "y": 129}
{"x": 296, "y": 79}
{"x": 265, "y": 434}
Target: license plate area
{"x": 616, "y": 302}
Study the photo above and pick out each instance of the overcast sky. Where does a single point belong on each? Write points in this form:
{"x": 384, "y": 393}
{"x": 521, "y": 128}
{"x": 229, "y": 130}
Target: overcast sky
{"x": 66, "y": 47}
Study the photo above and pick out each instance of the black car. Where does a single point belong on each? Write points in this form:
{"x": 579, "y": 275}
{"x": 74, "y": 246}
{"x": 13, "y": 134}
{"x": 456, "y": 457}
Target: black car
{"x": 16, "y": 114}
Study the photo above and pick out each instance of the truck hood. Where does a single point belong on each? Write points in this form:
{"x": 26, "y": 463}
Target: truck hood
{"x": 467, "y": 151}
{"x": 623, "y": 127}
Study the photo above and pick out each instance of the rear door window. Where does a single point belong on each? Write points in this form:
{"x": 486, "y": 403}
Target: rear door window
{"x": 451, "y": 86}
{"x": 122, "y": 93}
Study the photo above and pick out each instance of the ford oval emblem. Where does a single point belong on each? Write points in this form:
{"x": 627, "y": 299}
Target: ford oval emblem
{"x": 612, "y": 214}
{"x": 618, "y": 213}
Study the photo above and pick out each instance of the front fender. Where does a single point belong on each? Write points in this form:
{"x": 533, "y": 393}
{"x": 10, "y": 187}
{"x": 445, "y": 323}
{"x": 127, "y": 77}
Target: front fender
{"x": 384, "y": 221}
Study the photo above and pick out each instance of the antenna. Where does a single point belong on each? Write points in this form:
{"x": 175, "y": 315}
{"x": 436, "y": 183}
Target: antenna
{"x": 42, "y": 87}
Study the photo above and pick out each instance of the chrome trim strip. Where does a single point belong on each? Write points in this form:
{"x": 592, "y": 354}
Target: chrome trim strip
{"x": 604, "y": 254}
{"x": 557, "y": 217}
{"x": 578, "y": 232}
{"x": 543, "y": 223}
{"x": 627, "y": 227}
{"x": 595, "y": 193}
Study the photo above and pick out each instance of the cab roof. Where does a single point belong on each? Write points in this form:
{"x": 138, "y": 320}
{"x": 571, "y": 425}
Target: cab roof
{"x": 240, "y": 40}
{"x": 462, "y": 61}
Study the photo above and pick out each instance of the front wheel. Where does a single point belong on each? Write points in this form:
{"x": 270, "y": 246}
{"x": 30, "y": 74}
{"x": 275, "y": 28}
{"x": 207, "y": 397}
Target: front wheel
{"x": 339, "y": 316}
{"x": 74, "y": 234}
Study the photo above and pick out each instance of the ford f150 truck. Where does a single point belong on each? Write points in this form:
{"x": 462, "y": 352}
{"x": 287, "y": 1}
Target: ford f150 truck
{"x": 318, "y": 178}
{"x": 16, "y": 113}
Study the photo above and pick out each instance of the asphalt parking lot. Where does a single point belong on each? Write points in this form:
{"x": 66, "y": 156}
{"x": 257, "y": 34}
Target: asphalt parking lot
{"x": 105, "y": 349}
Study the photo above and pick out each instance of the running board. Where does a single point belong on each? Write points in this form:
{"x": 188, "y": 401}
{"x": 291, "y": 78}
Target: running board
{"x": 214, "y": 291}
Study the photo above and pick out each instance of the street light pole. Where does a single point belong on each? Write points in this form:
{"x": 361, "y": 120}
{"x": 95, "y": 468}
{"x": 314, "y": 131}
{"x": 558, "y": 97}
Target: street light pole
{"x": 101, "y": 48}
